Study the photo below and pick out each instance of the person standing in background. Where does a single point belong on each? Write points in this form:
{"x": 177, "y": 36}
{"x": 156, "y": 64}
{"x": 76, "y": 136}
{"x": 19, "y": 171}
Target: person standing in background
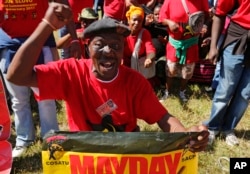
{"x": 145, "y": 52}
{"x": 75, "y": 48}
{"x": 117, "y": 9}
{"x": 159, "y": 36}
{"x": 182, "y": 46}
{"x": 12, "y": 35}
{"x": 86, "y": 17}
{"x": 232, "y": 94}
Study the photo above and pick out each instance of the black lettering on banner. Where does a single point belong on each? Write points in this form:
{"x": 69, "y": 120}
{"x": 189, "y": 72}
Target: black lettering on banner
{"x": 239, "y": 165}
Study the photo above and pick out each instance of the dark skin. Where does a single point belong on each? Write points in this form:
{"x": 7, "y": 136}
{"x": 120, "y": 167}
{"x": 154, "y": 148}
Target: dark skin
{"x": 135, "y": 24}
{"x": 75, "y": 48}
{"x": 106, "y": 53}
{"x": 217, "y": 27}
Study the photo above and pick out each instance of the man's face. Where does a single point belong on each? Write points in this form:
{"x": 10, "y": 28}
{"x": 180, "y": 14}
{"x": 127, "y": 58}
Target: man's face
{"x": 106, "y": 51}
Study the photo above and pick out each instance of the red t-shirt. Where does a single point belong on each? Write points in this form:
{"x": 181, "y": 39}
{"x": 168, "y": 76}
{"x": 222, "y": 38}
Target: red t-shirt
{"x": 78, "y": 5}
{"x": 20, "y": 18}
{"x": 129, "y": 45}
{"x": 242, "y": 15}
{"x": 73, "y": 81}
{"x": 117, "y": 8}
{"x": 174, "y": 10}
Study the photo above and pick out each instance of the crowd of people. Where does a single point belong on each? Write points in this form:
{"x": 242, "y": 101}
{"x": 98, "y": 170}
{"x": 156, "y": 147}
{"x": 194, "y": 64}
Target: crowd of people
{"x": 112, "y": 63}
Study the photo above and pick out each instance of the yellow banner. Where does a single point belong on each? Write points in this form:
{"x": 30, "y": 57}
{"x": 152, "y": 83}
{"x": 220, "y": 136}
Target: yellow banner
{"x": 62, "y": 155}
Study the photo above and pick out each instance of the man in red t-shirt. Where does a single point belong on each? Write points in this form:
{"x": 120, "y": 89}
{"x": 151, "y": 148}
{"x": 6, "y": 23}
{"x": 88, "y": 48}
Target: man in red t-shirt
{"x": 100, "y": 93}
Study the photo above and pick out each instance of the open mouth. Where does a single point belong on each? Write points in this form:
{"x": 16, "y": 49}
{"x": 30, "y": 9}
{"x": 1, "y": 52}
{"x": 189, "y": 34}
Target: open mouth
{"x": 107, "y": 65}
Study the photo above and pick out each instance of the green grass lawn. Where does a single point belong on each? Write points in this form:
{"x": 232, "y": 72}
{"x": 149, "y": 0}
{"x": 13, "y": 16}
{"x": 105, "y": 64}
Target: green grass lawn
{"x": 196, "y": 110}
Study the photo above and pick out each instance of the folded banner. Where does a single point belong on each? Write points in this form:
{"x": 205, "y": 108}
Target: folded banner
{"x": 118, "y": 153}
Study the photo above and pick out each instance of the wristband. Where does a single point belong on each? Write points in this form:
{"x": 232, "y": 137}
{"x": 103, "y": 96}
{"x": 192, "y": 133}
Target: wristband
{"x": 74, "y": 41}
{"x": 47, "y": 22}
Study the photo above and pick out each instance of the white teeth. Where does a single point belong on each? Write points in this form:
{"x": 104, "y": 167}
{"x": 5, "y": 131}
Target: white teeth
{"x": 107, "y": 65}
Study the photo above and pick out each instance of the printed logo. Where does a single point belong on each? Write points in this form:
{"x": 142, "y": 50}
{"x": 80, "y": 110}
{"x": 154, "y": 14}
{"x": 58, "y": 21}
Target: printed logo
{"x": 55, "y": 148}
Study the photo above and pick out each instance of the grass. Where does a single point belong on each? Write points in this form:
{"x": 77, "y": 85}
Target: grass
{"x": 196, "y": 110}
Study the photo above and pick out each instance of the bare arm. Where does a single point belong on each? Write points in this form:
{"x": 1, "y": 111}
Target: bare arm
{"x": 75, "y": 49}
{"x": 131, "y": 2}
{"x": 20, "y": 70}
{"x": 173, "y": 26}
{"x": 168, "y": 123}
{"x": 149, "y": 60}
{"x": 63, "y": 42}
{"x": 151, "y": 4}
{"x": 217, "y": 27}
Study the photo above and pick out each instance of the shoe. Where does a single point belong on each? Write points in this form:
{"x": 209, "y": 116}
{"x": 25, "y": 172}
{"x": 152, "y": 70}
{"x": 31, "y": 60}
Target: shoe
{"x": 212, "y": 136}
{"x": 231, "y": 139}
{"x": 18, "y": 151}
{"x": 165, "y": 96}
{"x": 183, "y": 96}
{"x": 209, "y": 89}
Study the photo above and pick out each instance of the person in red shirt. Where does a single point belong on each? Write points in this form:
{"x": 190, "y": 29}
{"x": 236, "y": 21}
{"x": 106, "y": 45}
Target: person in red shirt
{"x": 182, "y": 47}
{"x": 135, "y": 18}
{"x": 76, "y": 6}
{"x": 117, "y": 9}
{"x": 18, "y": 21}
{"x": 100, "y": 93}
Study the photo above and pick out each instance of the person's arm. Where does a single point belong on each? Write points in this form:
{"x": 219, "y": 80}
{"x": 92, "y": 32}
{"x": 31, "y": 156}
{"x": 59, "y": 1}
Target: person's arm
{"x": 63, "y": 42}
{"x": 217, "y": 27}
{"x": 151, "y": 4}
{"x": 168, "y": 123}
{"x": 20, "y": 71}
{"x": 75, "y": 48}
{"x": 131, "y": 2}
{"x": 173, "y": 26}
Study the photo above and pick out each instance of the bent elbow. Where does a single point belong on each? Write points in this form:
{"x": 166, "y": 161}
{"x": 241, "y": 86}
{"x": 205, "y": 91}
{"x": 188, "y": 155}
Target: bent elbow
{"x": 11, "y": 77}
